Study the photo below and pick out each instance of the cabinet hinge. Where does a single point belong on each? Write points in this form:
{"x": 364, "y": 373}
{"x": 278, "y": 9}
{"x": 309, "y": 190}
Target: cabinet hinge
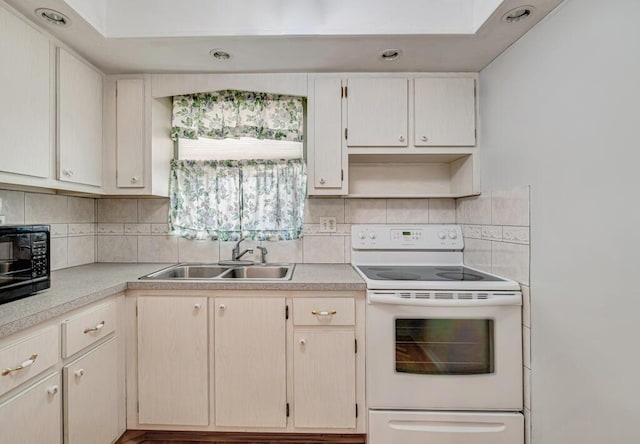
{"x": 356, "y": 410}
{"x": 342, "y": 92}
{"x": 286, "y": 312}
{"x": 356, "y": 341}
{"x": 136, "y": 311}
{"x": 346, "y": 92}
{"x": 346, "y": 133}
{"x": 341, "y": 175}
{"x": 287, "y": 409}
{"x": 138, "y": 406}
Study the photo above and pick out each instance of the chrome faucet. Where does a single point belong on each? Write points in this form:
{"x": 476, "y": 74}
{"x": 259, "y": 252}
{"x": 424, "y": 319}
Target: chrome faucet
{"x": 235, "y": 253}
{"x": 263, "y": 254}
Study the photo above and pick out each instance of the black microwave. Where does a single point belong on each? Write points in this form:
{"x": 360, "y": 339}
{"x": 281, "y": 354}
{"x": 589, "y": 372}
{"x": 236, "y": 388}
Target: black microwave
{"x": 25, "y": 261}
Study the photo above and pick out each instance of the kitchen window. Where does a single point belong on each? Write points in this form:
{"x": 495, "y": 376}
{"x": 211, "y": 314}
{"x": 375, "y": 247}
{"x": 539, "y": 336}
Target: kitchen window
{"x": 239, "y": 172}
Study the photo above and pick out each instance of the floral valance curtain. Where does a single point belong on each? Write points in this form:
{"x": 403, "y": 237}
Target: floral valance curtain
{"x": 256, "y": 199}
{"x": 231, "y": 113}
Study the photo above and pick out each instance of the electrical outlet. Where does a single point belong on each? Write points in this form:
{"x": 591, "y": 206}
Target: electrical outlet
{"x": 327, "y": 224}
{"x": 3, "y": 220}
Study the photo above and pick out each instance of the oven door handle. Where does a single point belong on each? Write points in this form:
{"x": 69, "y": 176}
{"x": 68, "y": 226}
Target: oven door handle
{"x": 492, "y": 301}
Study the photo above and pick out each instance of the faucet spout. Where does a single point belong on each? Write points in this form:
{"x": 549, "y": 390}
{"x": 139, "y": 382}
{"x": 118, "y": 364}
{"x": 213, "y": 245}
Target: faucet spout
{"x": 236, "y": 254}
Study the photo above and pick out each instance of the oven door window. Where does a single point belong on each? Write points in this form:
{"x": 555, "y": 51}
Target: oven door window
{"x": 444, "y": 346}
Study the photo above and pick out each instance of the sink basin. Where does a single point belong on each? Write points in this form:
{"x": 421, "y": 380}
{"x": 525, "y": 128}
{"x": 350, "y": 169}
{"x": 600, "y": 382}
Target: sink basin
{"x": 182, "y": 271}
{"x": 221, "y": 272}
{"x": 259, "y": 272}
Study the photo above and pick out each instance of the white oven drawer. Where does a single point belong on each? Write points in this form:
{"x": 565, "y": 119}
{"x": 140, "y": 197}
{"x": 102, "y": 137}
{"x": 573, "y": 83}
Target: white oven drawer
{"x": 411, "y": 427}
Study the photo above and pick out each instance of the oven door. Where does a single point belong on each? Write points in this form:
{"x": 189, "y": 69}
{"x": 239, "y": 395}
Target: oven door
{"x": 444, "y": 354}
{"x": 391, "y": 427}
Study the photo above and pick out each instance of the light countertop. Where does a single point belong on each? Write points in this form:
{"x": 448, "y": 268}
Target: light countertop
{"x": 75, "y": 287}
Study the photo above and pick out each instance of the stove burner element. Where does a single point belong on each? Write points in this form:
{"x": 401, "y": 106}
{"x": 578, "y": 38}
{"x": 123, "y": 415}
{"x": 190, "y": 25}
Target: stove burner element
{"x": 398, "y": 276}
{"x": 458, "y": 276}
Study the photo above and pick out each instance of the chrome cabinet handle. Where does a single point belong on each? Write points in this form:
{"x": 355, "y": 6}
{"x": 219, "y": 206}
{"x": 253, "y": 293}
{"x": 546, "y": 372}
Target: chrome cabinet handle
{"x": 401, "y": 138}
{"x": 134, "y": 179}
{"x": 28, "y": 363}
{"x": 197, "y": 306}
{"x": 323, "y": 313}
{"x": 424, "y": 138}
{"x": 52, "y": 390}
{"x": 222, "y": 307}
{"x": 96, "y": 328}
{"x": 302, "y": 342}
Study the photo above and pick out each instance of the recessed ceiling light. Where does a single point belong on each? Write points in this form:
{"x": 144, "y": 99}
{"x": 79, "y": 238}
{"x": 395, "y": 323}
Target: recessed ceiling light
{"x": 220, "y": 54}
{"x": 518, "y": 14}
{"x": 389, "y": 55}
{"x": 52, "y": 16}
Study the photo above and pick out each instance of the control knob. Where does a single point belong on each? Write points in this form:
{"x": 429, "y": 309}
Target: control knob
{"x": 372, "y": 235}
{"x": 442, "y": 235}
{"x": 362, "y": 235}
{"x": 452, "y": 235}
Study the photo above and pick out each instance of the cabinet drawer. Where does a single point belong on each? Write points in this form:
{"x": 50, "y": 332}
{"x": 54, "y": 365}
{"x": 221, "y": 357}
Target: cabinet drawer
{"x": 324, "y": 311}
{"x": 28, "y": 357}
{"x": 87, "y": 327}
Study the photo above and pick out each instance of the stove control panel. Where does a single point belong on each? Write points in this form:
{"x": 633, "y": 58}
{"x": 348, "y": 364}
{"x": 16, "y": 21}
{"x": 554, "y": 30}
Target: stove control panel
{"x": 406, "y": 237}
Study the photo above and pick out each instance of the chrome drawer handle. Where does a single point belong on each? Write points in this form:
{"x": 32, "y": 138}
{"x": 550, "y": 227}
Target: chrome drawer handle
{"x": 323, "y": 313}
{"x": 28, "y": 363}
{"x": 96, "y": 328}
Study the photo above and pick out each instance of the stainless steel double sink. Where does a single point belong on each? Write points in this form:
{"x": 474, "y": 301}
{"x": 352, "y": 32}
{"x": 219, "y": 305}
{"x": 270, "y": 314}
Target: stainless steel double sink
{"x": 224, "y": 272}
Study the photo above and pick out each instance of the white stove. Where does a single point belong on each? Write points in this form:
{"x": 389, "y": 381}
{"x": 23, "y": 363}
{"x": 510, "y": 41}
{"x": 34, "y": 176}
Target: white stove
{"x": 444, "y": 344}
{"x": 420, "y": 257}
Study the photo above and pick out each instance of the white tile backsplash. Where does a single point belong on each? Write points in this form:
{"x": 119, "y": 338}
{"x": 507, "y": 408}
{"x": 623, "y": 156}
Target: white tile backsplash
{"x": 157, "y": 249}
{"x": 316, "y": 208}
{"x": 80, "y": 250}
{"x": 477, "y": 253}
{"x": 510, "y": 207}
{"x": 117, "y": 248}
{"x": 153, "y": 210}
{"x": 407, "y": 211}
{"x": 117, "y": 211}
{"x": 442, "y": 211}
{"x": 518, "y": 235}
{"x": 472, "y": 231}
{"x": 491, "y": 232}
{"x": 81, "y": 210}
{"x": 510, "y": 261}
{"x": 477, "y": 210}
{"x": 323, "y": 249}
{"x": 12, "y": 206}
{"x": 45, "y": 208}
{"x": 198, "y": 250}
{"x": 366, "y": 211}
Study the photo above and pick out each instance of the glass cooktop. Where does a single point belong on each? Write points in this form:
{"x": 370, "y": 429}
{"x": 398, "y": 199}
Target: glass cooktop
{"x": 424, "y": 273}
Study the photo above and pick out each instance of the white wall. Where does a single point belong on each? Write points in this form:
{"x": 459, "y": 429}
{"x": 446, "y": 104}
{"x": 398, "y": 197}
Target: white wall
{"x": 559, "y": 112}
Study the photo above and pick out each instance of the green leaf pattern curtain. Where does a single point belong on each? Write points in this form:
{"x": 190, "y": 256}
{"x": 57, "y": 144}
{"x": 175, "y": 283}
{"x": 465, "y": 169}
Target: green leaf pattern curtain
{"x": 231, "y": 113}
{"x": 256, "y": 199}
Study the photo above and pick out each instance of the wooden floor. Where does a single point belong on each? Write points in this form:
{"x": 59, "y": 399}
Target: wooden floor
{"x": 155, "y": 437}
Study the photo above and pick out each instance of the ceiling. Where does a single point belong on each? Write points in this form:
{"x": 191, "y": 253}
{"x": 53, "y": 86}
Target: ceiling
{"x": 127, "y": 36}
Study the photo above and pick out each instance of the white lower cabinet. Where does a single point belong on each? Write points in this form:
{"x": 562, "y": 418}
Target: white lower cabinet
{"x": 34, "y": 414}
{"x": 250, "y": 357}
{"x": 91, "y": 396}
{"x": 172, "y": 336}
{"x": 263, "y": 361}
{"x": 324, "y": 375}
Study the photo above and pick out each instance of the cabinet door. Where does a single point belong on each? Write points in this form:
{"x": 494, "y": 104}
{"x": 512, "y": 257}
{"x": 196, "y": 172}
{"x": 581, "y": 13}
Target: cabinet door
{"x": 326, "y": 134}
{"x": 34, "y": 415}
{"x": 130, "y": 134}
{"x": 250, "y": 362}
{"x": 91, "y": 396}
{"x": 173, "y": 360}
{"x": 24, "y": 88}
{"x": 445, "y": 111}
{"x": 79, "y": 121}
{"x": 377, "y": 112}
{"x": 324, "y": 378}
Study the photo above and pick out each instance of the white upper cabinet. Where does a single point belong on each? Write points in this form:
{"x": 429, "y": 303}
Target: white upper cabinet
{"x": 79, "y": 121}
{"x": 445, "y": 111}
{"x": 377, "y": 112}
{"x": 26, "y": 98}
{"x": 130, "y": 133}
{"x": 327, "y": 157}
